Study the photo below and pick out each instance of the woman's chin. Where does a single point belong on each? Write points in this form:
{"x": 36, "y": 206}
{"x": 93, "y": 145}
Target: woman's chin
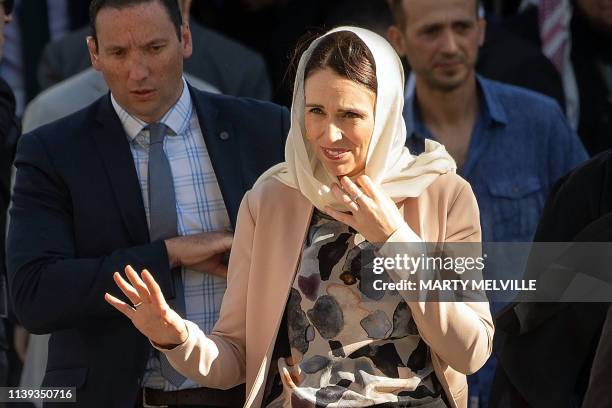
{"x": 338, "y": 171}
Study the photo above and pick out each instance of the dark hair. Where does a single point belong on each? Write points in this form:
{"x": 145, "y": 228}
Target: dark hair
{"x": 398, "y": 12}
{"x": 8, "y": 6}
{"x": 345, "y": 53}
{"x": 171, "y": 6}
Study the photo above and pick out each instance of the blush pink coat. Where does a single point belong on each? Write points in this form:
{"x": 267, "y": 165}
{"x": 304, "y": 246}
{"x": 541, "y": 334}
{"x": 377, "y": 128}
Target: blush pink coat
{"x": 272, "y": 224}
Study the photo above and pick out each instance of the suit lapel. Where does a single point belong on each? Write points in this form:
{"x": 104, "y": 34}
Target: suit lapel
{"x": 222, "y": 148}
{"x": 111, "y": 141}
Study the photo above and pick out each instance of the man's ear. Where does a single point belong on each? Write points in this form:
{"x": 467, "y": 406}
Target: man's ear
{"x": 187, "y": 43}
{"x": 396, "y": 38}
{"x": 482, "y": 29}
{"x": 93, "y": 52}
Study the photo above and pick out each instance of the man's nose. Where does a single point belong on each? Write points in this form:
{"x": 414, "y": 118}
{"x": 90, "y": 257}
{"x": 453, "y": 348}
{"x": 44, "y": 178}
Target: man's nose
{"x": 449, "y": 42}
{"x": 139, "y": 69}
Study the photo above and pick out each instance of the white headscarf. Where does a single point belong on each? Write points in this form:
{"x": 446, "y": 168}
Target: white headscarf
{"x": 389, "y": 163}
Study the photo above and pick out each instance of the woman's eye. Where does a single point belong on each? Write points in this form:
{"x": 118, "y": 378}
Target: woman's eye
{"x": 352, "y": 115}
{"x": 316, "y": 110}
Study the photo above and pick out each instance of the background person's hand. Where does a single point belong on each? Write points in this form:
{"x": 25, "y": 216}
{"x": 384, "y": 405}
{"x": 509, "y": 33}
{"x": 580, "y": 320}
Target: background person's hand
{"x": 373, "y": 214}
{"x": 21, "y": 339}
{"x": 149, "y": 311}
{"x": 201, "y": 252}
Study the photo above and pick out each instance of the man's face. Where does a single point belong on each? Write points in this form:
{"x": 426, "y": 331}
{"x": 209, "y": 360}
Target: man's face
{"x": 4, "y": 19}
{"x": 598, "y": 11}
{"x": 440, "y": 39}
{"x": 140, "y": 57}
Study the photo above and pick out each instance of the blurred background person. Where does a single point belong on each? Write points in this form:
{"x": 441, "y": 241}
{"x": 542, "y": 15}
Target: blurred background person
{"x": 35, "y": 23}
{"x": 509, "y": 143}
{"x": 9, "y": 131}
{"x": 10, "y": 364}
{"x": 576, "y": 36}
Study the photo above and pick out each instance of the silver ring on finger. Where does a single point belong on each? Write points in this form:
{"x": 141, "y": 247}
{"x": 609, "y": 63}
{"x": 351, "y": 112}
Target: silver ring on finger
{"x": 357, "y": 197}
{"x": 136, "y": 305}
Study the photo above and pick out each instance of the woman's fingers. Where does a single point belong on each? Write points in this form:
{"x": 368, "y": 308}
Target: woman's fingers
{"x": 127, "y": 289}
{"x": 356, "y": 194}
{"x": 120, "y": 305}
{"x": 343, "y": 197}
{"x": 368, "y": 186}
{"x": 156, "y": 294}
{"x": 138, "y": 284}
{"x": 340, "y": 216}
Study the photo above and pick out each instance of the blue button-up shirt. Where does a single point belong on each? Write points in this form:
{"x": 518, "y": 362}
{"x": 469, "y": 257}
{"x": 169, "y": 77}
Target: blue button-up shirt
{"x": 520, "y": 145}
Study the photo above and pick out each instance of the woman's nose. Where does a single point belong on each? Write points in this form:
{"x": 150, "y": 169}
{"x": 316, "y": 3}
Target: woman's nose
{"x": 333, "y": 133}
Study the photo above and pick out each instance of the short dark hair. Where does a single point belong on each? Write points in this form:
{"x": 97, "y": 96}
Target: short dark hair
{"x": 8, "y": 6}
{"x": 398, "y": 12}
{"x": 171, "y": 6}
{"x": 346, "y": 54}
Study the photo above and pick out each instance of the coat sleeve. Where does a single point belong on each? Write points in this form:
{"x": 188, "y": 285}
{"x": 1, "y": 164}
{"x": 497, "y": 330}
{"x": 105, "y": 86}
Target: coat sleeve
{"x": 459, "y": 332}
{"x": 218, "y": 360}
{"x": 52, "y": 288}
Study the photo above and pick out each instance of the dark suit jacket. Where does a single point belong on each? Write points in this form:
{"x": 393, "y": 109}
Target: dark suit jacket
{"x": 9, "y": 134}
{"x": 545, "y": 354}
{"x": 78, "y": 216}
{"x": 227, "y": 65}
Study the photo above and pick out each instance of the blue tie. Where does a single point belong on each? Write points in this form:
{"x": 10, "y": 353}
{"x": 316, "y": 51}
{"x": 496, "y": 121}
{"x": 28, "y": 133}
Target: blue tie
{"x": 163, "y": 224}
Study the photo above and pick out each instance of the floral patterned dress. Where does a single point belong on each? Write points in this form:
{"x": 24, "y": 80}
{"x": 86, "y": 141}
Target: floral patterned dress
{"x": 350, "y": 344}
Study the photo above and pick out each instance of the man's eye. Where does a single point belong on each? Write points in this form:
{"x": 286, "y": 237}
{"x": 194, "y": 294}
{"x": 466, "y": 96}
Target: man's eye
{"x": 461, "y": 27}
{"x": 157, "y": 48}
{"x": 430, "y": 31}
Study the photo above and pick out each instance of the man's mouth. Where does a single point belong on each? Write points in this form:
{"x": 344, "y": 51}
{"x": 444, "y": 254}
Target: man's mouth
{"x": 143, "y": 92}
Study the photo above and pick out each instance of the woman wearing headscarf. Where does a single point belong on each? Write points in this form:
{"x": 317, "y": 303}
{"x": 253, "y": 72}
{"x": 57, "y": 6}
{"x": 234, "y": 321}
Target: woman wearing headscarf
{"x": 301, "y": 323}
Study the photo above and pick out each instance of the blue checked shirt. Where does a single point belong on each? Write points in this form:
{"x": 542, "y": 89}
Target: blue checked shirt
{"x": 199, "y": 208}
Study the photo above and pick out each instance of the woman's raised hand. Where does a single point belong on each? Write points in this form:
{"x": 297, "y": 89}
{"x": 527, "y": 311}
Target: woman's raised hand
{"x": 149, "y": 311}
{"x": 373, "y": 214}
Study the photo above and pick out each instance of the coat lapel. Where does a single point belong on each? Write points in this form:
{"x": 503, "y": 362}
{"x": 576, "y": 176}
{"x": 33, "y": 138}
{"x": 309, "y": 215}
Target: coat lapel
{"x": 295, "y": 210}
{"x": 111, "y": 141}
{"x": 220, "y": 140}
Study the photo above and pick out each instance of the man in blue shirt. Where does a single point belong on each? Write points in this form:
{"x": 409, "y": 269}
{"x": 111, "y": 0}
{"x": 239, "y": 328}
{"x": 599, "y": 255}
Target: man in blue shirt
{"x": 509, "y": 143}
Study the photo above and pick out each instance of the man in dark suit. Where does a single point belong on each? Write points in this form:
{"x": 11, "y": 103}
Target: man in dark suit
{"x": 227, "y": 65}
{"x": 104, "y": 187}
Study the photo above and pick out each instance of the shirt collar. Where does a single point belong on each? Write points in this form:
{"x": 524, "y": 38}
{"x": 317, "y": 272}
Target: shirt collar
{"x": 176, "y": 119}
{"x": 492, "y": 110}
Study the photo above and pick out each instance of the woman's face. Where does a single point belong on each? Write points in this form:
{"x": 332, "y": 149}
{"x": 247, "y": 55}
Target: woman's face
{"x": 339, "y": 119}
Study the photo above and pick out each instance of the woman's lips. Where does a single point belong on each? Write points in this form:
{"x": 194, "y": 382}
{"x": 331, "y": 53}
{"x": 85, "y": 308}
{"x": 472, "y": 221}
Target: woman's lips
{"x": 335, "y": 154}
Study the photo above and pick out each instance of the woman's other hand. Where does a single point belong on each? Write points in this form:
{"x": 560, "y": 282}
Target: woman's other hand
{"x": 149, "y": 311}
{"x": 373, "y": 214}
